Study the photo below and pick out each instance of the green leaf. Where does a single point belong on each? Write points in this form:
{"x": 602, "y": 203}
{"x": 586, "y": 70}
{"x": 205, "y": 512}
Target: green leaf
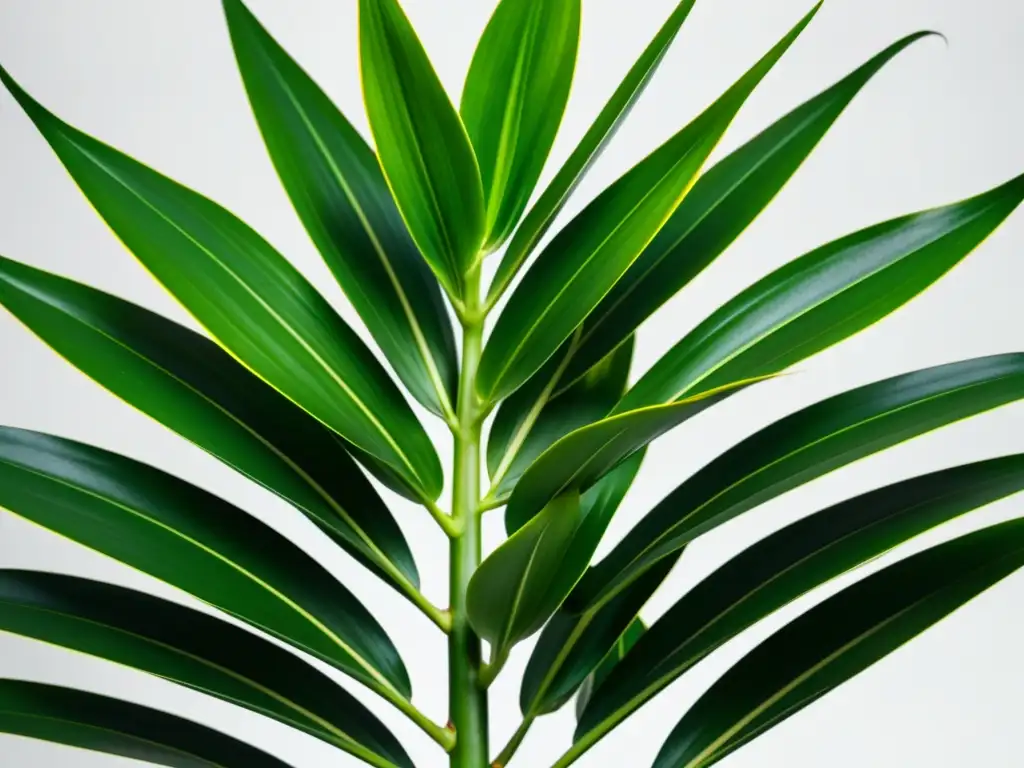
{"x": 189, "y": 384}
{"x": 824, "y": 297}
{"x": 423, "y": 147}
{"x": 518, "y": 435}
{"x": 514, "y": 99}
{"x": 542, "y": 214}
{"x": 250, "y": 299}
{"x": 507, "y": 599}
{"x": 839, "y": 639}
{"x": 807, "y": 444}
{"x": 573, "y": 645}
{"x": 97, "y": 723}
{"x": 784, "y": 566}
{"x": 584, "y": 456}
{"x": 201, "y": 544}
{"x": 336, "y": 185}
{"x": 721, "y": 205}
{"x": 585, "y": 259}
{"x": 193, "y": 649}
{"x": 595, "y": 679}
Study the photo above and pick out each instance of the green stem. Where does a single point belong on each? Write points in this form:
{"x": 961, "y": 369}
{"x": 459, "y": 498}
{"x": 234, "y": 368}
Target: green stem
{"x": 467, "y": 699}
{"x": 513, "y": 743}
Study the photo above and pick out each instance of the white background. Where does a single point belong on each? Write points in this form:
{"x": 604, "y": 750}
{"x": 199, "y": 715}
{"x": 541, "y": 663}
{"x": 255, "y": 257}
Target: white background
{"x": 157, "y": 79}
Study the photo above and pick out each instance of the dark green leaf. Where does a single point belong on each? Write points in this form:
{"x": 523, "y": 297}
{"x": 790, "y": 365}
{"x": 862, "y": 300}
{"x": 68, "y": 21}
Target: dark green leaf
{"x": 839, "y": 639}
{"x": 97, "y": 723}
{"x": 595, "y": 679}
{"x": 721, "y": 205}
{"x": 249, "y": 298}
{"x": 823, "y": 297}
{"x": 784, "y": 566}
{"x": 514, "y": 98}
{"x": 336, "y": 185}
{"x": 801, "y": 447}
{"x": 517, "y": 438}
{"x": 197, "y": 542}
{"x": 196, "y": 650}
{"x": 423, "y": 147}
{"x": 542, "y": 214}
{"x": 595, "y": 249}
{"x": 191, "y": 385}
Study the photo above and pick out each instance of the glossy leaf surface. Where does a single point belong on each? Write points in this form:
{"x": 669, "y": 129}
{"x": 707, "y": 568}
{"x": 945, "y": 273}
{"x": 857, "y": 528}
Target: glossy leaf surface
{"x": 514, "y": 98}
{"x": 839, "y": 639}
{"x": 594, "y": 680}
{"x": 193, "y": 649}
{"x": 595, "y": 249}
{"x": 188, "y": 383}
{"x": 101, "y": 724}
{"x": 543, "y": 212}
{"x": 336, "y": 185}
{"x": 784, "y": 566}
{"x": 423, "y": 147}
{"x": 197, "y": 542}
{"x": 248, "y": 296}
{"x": 807, "y": 444}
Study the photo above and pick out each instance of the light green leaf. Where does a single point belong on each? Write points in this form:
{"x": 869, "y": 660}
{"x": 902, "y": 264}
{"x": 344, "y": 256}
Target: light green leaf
{"x": 193, "y": 649}
{"x": 249, "y": 298}
{"x": 595, "y": 249}
{"x": 514, "y": 98}
{"x": 424, "y": 151}
{"x": 100, "y": 724}
{"x": 199, "y": 543}
{"x": 542, "y": 214}
{"x": 336, "y": 185}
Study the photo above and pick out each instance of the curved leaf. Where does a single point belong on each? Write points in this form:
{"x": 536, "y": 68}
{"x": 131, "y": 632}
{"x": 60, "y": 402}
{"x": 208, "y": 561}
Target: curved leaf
{"x": 193, "y": 649}
{"x": 97, "y": 723}
{"x": 595, "y": 249}
{"x": 513, "y": 101}
{"x": 542, "y": 214}
{"x": 595, "y": 679}
{"x": 583, "y": 457}
{"x": 197, "y": 542}
{"x": 721, "y": 205}
{"x": 336, "y": 185}
{"x": 249, "y": 298}
{"x": 189, "y": 384}
{"x": 839, "y": 639}
{"x": 807, "y": 444}
{"x": 784, "y": 566}
{"x": 518, "y": 436}
{"x": 424, "y": 151}
{"x": 823, "y": 297}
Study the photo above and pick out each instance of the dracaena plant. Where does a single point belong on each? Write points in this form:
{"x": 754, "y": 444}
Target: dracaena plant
{"x": 545, "y": 422}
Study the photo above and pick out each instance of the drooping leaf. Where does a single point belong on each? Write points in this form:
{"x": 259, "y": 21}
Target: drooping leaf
{"x": 195, "y": 541}
{"x": 193, "y": 649}
{"x": 505, "y": 600}
{"x": 100, "y": 724}
{"x": 248, "y": 296}
{"x": 596, "y": 248}
{"x": 595, "y": 679}
{"x": 805, "y": 445}
{"x": 721, "y": 205}
{"x": 189, "y": 384}
{"x": 336, "y": 185}
{"x": 584, "y": 456}
{"x": 824, "y": 297}
{"x": 424, "y": 151}
{"x": 513, "y": 444}
{"x": 514, "y": 98}
{"x": 542, "y": 214}
{"x": 839, "y": 639}
{"x": 781, "y": 568}
{"x": 573, "y": 645}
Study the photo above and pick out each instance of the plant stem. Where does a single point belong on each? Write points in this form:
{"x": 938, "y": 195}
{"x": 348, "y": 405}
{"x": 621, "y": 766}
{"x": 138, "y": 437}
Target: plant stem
{"x": 513, "y": 743}
{"x": 467, "y": 699}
